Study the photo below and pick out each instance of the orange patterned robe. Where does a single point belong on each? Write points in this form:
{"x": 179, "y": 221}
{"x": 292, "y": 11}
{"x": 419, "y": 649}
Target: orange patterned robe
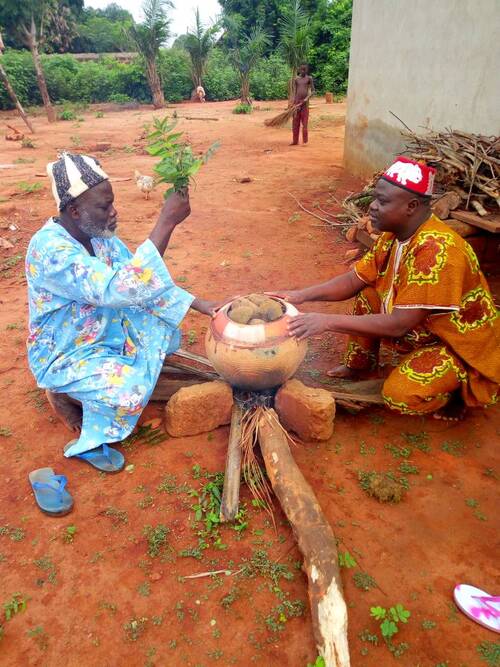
{"x": 457, "y": 347}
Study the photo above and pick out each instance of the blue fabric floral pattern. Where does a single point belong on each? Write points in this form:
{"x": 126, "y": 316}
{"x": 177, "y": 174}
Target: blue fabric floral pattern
{"x": 100, "y": 327}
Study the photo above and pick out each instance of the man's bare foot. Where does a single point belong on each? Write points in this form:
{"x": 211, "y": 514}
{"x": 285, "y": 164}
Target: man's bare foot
{"x": 343, "y": 372}
{"x": 293, "y": 144}
{"x": 453, "y": 411}
{"x": 68, "y": 410}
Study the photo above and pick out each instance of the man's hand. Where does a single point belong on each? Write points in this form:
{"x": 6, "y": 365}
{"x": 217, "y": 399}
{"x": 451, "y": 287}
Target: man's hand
{"x": 309, "y": 324}
{"x": 207, "y": 307}
{"x": 292, "y": 296}
{"x": 175, "y": 209}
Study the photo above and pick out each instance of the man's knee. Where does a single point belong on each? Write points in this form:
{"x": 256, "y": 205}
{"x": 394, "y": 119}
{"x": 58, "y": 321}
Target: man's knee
{"x": 403, "y": 396}
{"x": 127, "y": 394}
{"x": 394, "y": 390}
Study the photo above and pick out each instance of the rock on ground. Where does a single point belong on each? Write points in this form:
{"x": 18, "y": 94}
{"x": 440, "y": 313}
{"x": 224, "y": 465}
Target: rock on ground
{"x": 199, "y": 408}
{"x": 307, "y": 411}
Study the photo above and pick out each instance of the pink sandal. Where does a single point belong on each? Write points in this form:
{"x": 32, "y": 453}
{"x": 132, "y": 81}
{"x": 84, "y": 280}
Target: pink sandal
{"x": 478, "y": 605}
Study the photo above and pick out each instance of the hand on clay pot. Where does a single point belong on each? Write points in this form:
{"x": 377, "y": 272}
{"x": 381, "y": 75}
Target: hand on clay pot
{"x": 209, "y": 308}
{"x": 292, "y": 296}
{"x": 309, "y": 324}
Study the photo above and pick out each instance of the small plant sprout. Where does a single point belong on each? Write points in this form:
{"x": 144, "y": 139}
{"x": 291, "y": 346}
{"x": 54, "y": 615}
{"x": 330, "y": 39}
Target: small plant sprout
{"x": 319, "y": 662}
{"x": 16, "y": 605}
{"x": 178, "y": 164}
{"x": 364, "y": 581}
{"x": 346, "y": 560}
{"x": 157, "y": 539}
{"x": 69, "y": 534}
{"x": 28, "y": 188}
{"x": 389, "y": 624}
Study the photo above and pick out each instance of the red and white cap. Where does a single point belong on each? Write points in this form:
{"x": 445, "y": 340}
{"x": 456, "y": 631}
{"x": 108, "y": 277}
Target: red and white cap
{"x": 411, "y": 175}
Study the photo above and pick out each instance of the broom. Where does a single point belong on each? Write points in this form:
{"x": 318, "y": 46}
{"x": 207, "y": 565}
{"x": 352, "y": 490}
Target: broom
{"x": 283, "y": 117}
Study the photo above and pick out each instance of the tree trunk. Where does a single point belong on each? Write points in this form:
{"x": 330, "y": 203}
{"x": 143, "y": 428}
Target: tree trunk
{"x": 155, "y": 84}
{"x": 40, "y": 77}
{"x": 316, "y": 542}
{"x": 245, "y": 90}
{"x": 13, "y": 97}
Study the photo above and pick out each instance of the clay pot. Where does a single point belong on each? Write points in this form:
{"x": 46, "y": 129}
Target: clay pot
{"x": 254, "y": 356}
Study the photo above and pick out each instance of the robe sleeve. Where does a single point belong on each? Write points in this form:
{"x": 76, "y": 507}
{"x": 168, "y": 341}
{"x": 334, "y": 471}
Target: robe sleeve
{"x": 367, "y": 268}
{"x": 432, "y": 275}
{"x": 138, "y": 280}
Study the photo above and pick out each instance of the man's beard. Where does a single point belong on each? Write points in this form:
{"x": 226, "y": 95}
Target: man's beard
{"x": 92, "y": 229}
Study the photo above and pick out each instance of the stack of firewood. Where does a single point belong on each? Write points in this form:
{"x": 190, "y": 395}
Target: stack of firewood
{"x": 467, "y": 190}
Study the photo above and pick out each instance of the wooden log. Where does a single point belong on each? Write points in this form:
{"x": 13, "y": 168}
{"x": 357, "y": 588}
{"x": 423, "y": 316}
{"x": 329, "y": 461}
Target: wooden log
{"x": 231, "y": 491}
{"x": 368, "y": 392}
{"x": 316, "y": 542}
{"x": 192, "y": 357}
{"x": 363, "y": 237}
{"x": 490, "y": 224}
{"x": 166, "y": 386}
{"x": 205, "y": 375}
{"x": 463, "y": 229}
{"x": 197, "y": 118}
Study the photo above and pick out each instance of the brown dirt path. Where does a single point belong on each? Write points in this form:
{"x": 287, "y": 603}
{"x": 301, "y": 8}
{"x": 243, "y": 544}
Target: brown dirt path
{"x": 240, "y": 237}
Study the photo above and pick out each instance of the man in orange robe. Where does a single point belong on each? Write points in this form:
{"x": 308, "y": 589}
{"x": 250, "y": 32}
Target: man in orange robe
{"x": 420, "y": 292}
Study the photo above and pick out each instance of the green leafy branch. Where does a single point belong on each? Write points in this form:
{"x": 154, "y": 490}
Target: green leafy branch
{"x": 178, "y": 164}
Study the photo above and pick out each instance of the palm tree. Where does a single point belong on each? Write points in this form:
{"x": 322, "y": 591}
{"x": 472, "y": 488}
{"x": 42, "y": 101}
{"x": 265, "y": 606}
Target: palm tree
{"x": 148, "y": 37}
{"x": 198, "y": 43}
{"x": 245, "y": 51}
{"x": 295, "y": 39}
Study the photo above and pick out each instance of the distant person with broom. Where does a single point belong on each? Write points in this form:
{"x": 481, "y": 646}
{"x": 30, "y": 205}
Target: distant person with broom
{"x": 303, "y": 89}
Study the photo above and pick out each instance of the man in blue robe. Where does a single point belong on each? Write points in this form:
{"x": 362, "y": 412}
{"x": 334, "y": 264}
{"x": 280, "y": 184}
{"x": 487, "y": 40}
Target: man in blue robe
{"x": 102, "y": 319}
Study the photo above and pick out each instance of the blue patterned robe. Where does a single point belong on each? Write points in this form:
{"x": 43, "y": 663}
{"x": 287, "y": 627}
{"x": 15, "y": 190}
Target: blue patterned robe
{"x": 100, "y": 327}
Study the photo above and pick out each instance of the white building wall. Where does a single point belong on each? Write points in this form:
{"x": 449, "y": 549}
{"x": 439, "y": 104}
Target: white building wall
{"x": 433, "y": 63}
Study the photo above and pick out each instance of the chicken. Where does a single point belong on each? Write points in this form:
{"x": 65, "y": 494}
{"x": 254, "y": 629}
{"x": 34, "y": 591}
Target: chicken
{"x": 144, "y": 183}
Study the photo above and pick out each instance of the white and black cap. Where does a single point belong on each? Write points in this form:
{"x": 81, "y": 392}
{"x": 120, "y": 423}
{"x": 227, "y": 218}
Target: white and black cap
{"x": 72, "y": 175}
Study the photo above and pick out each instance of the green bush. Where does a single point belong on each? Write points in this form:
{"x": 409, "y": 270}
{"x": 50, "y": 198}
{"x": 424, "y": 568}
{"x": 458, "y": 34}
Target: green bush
{"x": 242, "y": 108}
{"x": 107, "y": 80}
{"x": 19, "y": 67}
{"x": 61, "y": 73}
{"x": 119, "y": 98}
{"x": 269, "y": 80}
{"x": 175, "y": 74}
{"x": 221, "y": 81}
{"x": 66, "y": 114}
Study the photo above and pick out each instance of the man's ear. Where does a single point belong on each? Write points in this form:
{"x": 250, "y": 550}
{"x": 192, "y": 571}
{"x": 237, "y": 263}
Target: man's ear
{"x": 413, "y": 204}
{"x": 72, "y": 209}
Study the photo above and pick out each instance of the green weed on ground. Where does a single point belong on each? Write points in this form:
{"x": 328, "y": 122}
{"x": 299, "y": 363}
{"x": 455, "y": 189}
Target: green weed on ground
{"x": 16, "y": 605}
{"x": 489, "y": 652}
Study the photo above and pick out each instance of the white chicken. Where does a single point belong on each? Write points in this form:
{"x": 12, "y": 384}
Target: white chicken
{"x": 144, "y": 183}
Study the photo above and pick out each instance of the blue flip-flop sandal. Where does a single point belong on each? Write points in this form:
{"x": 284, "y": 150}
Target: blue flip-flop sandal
{"x": 50, "y": 492}
{"x": 103, "y": 458}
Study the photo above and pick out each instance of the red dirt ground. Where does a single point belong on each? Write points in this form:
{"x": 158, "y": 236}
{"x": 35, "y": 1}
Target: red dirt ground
{"x": 241, "y": 237}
